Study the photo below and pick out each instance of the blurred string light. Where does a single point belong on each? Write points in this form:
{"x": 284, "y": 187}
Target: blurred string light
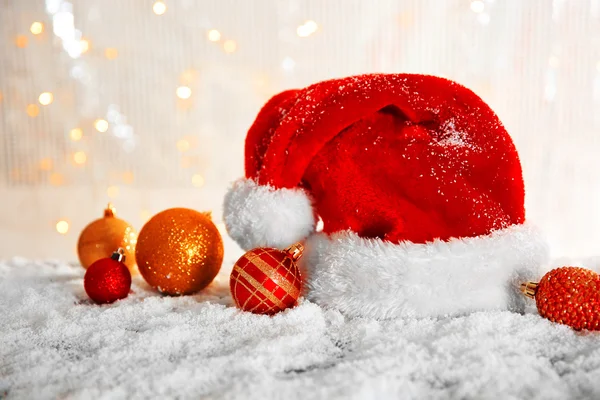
{"x": 111, "y": 53}
{"x": 145, "y": 215}
{"x": 62, "y": 226}
{"x": 230, "y": 46}
{"x": 483, "y": 18}
{"x": 477, "y": 6}
{"x": 46, "y": 164}
{"x": 187, "y": 76}
{"x": 63, "y": 26}
{"x": 127, "y": 177}
{"x": 84, "y": 45}
{"x": 56, "y": 179}
{"x": 21, "y": 41}
{"x": 112, "y": 191}
{"x": 76, "y": 134}
{"x": 101, "y": 125}
{"x": 120, "y": 128}
{"x": 214, "y": 35}
{"x": 159, "y": 8}
{"x": 183, "y": 92}
{"x": 46, "y": 98}
{"x": 33, "y": 110}
{"x": 79, "y": 158}
{"x": 288, "y": 64}
{"x": 197, "y": 180}
{"x": 307, "y": 28}
{"x": 36, "y": 28}
{"x": 183, "y": 145}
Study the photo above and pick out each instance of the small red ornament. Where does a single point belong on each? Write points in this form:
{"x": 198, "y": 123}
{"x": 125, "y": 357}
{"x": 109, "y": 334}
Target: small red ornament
{"x": 267, "y": 280}
{"x": 108, "y": 279}
{"x": 568, "y": 295}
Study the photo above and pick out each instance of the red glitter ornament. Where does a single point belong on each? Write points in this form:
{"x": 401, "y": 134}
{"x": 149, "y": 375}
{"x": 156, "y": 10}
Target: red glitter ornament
{"x": 568, "y": 295}
{"x": 108, "y": 279}
{"x": 267, "y": 280}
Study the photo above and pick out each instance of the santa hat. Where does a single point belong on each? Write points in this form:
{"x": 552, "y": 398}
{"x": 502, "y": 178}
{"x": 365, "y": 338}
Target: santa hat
{"x": 417, "y": 183}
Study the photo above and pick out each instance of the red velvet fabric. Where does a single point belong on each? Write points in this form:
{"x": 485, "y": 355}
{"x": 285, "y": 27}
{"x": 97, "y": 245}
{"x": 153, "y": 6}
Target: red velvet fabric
{"x": 393, "y": 156}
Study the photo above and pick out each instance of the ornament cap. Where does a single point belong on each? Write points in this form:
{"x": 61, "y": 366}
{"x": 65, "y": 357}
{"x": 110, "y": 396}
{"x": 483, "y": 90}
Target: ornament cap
{"x": 529, "y": 289}
{"x": 119, "y": 255}
{"x": 295, "y": 251}
{"x": 109, "y": 211}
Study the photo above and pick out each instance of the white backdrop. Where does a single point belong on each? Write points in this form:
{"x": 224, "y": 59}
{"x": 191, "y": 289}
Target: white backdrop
{"x": 147, "y": 103}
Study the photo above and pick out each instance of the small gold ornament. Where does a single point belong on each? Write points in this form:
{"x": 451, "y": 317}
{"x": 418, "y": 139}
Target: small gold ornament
{"x": 179, "y": 251}
{"x": 101, "y": 237}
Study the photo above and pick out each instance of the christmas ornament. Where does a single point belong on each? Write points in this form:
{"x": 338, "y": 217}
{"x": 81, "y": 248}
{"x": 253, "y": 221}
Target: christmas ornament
{"x": 414, "y": 179}
{"x": 568, "y": 295}
{"x": 179, "y": 251}
{"x": 267, "y": 280}
{"x": 102, "y": 236}
{"x": 108, "y": 279}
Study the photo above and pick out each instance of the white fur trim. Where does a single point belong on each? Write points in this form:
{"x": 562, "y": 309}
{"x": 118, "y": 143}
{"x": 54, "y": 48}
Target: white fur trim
{"x": 262, "y": 216}
{"x": 374, "y": 278}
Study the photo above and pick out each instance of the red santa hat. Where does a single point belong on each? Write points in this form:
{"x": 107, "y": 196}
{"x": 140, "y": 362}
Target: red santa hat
{"x": 417, "y": 183}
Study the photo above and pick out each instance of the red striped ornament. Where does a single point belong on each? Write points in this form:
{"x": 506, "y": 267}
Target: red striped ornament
{"x": 267, "y": 280}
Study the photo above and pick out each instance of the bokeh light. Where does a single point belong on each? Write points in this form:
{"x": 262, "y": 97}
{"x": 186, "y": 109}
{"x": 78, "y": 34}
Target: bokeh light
{"x": 183, "y": 145}
{"x": 230, "y": 46}
{"x": 79, "y": 157}
{"x": 214, "y": 35}
{"x": 36, "y": 28}
{"x": 112, "y": 191}
{"x": 159, "y": 8}
{"x": 33, "y": 110}
{"x": 111, "y": 53}
{"x": 46, "y": 164}
{"x": 21, "y": 41}
{"x": 477, "y": 6}
{"x": 57, "y": 179}
{"x": 307, "y": 28}
{"x": 46, "y": 98}
{"x": 183, "y": 92}
{"x": 197, "y": 180}
{"x": 76, "y": 134}
{"x": 84, "y": 45}
{"x": 101, "y": 125}
{"x": 62, "y": 227}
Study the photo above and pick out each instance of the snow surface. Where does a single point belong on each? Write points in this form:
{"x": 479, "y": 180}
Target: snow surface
{"x": 54, "y": 343}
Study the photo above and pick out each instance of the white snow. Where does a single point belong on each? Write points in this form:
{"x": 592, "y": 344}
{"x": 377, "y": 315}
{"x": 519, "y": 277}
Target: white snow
{"x": 454, "y": 138}
{"x": 55, "y": 344}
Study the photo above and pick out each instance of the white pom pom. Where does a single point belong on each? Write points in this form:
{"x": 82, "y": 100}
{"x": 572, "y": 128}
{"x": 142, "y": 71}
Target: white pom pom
{"x": 263, "y": 216}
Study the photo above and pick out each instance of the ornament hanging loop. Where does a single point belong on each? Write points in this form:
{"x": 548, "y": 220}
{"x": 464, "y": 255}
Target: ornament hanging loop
{"x": 119, "y": 255}
{"x": 295, "y": 251}
{"x": 529, "y": 289}
{"x": 109, "y": 211}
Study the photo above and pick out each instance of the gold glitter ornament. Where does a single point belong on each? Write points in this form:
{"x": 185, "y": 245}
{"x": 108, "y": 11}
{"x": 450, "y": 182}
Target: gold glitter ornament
{"x": 179, "y": 251}
{"x": 103, "y": 236}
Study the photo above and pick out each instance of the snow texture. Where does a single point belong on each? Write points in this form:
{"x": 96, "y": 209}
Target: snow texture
{"x": 54, "y": 343}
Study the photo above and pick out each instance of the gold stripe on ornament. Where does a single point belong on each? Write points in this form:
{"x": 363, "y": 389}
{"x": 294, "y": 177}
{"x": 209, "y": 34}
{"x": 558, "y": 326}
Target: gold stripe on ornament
{"x": 270, "y": 296}
{"x": 272, "y": 273}
{"x": 252, "y": 291}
